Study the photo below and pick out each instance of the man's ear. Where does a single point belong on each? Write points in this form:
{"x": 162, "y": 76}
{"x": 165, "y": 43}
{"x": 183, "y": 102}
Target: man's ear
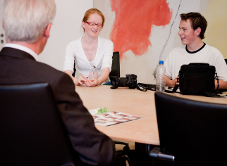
{"x": 197, "y": 31}
{"x": 47, "y": 30}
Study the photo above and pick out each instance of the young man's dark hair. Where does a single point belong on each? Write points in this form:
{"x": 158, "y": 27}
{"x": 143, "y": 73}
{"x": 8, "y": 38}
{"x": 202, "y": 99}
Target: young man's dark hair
{"x": 197, "y": 20}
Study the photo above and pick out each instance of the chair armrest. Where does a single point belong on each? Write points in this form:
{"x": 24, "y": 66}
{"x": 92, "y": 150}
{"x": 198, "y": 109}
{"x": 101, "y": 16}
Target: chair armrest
{"x": 155, "y": 152}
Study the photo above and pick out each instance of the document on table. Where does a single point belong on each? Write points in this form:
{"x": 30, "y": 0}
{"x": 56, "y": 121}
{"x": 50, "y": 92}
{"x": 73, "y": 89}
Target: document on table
{"x": 111, "y": 117}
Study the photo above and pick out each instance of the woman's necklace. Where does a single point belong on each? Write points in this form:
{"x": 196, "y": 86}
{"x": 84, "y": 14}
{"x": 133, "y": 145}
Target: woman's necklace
{"x": 91, "y": 46}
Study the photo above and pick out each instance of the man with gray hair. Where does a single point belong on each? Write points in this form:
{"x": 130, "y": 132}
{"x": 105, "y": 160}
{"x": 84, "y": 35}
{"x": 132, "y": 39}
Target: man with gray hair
{"x": 27, "y": 25}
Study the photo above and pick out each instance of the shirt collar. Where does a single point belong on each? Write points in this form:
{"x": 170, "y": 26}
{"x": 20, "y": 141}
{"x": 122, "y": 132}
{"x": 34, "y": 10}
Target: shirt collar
{"x": 22, "y": 48}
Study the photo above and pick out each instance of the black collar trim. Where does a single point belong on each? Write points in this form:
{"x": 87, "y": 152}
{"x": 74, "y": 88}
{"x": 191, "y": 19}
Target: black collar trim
{"x": 192, "y": 52}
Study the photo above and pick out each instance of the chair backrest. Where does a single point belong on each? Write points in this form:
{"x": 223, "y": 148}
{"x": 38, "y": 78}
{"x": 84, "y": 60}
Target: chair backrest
{"x": 226, "y": 61}
{"x": 115, "y": 70}
{"x": 74, "y": 69}
{"x": 32, "y": 132}
{"x": 192, "y": 131}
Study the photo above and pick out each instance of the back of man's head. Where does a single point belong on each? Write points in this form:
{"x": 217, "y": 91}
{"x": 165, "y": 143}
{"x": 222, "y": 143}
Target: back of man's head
{"x": 26, "y": 20}
{"x": 197, "y": 20}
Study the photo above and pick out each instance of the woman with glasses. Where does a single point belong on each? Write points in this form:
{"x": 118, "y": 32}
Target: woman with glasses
{"x": 92, "y": 54}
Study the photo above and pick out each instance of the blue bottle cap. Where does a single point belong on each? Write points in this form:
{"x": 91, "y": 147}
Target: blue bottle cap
{"x": 161, "y": 62}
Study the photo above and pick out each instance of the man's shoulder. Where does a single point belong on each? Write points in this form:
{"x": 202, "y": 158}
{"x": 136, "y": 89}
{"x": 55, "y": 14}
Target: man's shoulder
{"x": 212, "y": 49}
{"x": 46, "y": 66}
{"x": 53, "y": 76}
{"x": 47, "y": 70}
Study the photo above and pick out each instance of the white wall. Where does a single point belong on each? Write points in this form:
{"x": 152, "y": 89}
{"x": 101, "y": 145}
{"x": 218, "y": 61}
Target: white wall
{"x": 66, "y": 27}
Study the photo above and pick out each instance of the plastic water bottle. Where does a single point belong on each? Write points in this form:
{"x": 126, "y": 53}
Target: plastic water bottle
{"x": 160, "y": 77}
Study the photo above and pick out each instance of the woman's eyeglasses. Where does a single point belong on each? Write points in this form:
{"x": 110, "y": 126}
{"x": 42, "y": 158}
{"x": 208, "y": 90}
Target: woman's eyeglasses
{"x": 93, "y": 24}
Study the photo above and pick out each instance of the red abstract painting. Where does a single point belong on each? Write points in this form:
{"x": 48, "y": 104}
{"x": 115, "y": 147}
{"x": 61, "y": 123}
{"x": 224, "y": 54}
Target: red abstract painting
{"x": 133, "y": 23}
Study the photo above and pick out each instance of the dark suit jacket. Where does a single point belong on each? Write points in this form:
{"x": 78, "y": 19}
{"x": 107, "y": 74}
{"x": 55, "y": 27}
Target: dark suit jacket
{"x": 93, "y": 147}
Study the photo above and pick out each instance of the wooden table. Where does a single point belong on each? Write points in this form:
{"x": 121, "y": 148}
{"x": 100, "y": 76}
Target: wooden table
{"x": 134, "y": 102}
{"x": 129, "y": 101}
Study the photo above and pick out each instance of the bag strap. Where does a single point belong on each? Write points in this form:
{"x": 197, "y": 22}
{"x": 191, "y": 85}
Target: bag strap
{"x": 206, "y": 93}
{"x": 217, "y": 80}
{"x": 214, "y": 93}
{"x": 177, "y": 84}
{"x": 144, "y": 87}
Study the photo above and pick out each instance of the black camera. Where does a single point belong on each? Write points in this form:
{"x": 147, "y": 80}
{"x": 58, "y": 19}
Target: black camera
{"x": 129, "y": 81}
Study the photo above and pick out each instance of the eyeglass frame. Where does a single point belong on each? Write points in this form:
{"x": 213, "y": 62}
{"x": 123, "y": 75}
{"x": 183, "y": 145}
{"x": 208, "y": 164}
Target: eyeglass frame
{"x": 98, "y": 25}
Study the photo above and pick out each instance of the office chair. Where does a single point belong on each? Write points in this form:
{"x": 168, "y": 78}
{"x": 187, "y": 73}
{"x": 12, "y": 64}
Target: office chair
{"x": 115, "y": 70}
{"x": 74, "y": 69}
{"x": 190, "y": 132}
{"x": 32, "y": 132}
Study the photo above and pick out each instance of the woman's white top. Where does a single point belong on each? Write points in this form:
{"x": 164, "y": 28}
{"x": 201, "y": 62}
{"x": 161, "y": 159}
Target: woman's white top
{"x": 103, "y": 57}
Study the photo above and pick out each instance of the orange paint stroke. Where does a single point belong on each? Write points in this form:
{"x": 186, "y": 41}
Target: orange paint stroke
{"x": 133, "y": 23}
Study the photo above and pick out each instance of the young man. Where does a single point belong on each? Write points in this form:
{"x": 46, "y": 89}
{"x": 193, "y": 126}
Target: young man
{"x": 27, "y": 25}
{"x": 191, "y": 31}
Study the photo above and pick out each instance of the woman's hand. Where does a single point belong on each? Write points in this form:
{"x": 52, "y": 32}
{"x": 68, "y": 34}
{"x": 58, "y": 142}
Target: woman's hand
{"x": 91, "y": 82}
{"x": 82, "y": 80}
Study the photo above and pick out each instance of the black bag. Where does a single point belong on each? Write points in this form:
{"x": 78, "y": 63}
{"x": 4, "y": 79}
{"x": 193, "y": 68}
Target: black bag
{"x": 197, "y": 79}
